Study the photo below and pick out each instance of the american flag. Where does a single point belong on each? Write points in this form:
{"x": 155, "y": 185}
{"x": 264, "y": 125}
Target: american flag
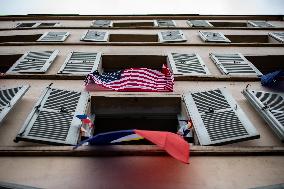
{"x": 132, "y": 80}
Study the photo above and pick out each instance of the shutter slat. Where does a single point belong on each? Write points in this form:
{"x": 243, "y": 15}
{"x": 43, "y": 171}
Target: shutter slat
{"x": 33, "y": 62}
{"x": 53, "y": 37}
{"x": 199, "y": 23}
{"x": 261, "y": 24}
{"x": 53, "y": 118}
{"x": 271, "y": 107}
{"x": 92, "y": 35}
{"x": 165, "y": 23}
{"x": 217, "y": 118}
{"x": 213, "y": 37}
{"x": 9, "y": 97}
{"x": 80, "y": 63}
{"x": 190, "y": 64}
{"x": 102, "y": 23}
{"x": 279, "y": 36}
{"x": 171, "y": 36}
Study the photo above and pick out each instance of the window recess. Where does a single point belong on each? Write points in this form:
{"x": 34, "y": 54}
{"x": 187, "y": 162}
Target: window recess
{"x": 52, "y": 119}
{"x": 228, "y": 24}
{"x": 134, "y": 24}
{"x": 20, "y": 38}
{"x": 7, "y": 61}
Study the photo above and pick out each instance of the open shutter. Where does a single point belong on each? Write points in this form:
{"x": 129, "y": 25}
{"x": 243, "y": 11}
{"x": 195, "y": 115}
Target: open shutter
{"x": 102, "y": 23}
{"x": 261, "y": 24}
{"x": 213, "y": 37}
{"x": 53, "y": 36}
{"x": 199, "y": 23}
{"x": 99, "y": 36}
{"x": 217, "y": 118}
{"x": 33, "y": 62}
{"x": 53, "y": 118}
{"x": 80, "y": 63}
{"x": 164, "y": 23}
{"x": 171, "y": 36}
{"x": 27, "y": 25}
{"x": 187, "y": 64}
{"x": 9, "y": 97}
{"x": 270, "y": 106}
{"x": 234, "y": 64}
{"x": 279, "y": 36}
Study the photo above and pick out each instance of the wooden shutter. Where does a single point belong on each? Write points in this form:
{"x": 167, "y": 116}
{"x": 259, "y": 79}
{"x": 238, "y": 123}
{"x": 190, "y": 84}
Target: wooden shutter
{"x": 27, "y": 25}
{"x": 261, "y": 24}
{"x": 53, "y": 36}
{"x": 213, "y": 37}
{"x": 53, "y": 118}
{"x": 102, "y": 23}
{"x": 270, "y": 106}
{"x": 164, "y": 23}
{"x": 171, "y": 36}
{"x": 199, "y": 23}
{"x": 188, "y": 64}
{"x": 234, "y": 64}
{"x": 217, "y": 118}
{"x": 9, "y": 97}
{"x": 279, "y": 36}
{"x": 34, "y": 62}
{"x": 92, "y": 35}
{"x": 80, "y": 63}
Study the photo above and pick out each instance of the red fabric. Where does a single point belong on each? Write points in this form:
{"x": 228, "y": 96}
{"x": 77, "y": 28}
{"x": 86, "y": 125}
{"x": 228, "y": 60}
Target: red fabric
{"x": 174, "y": 144}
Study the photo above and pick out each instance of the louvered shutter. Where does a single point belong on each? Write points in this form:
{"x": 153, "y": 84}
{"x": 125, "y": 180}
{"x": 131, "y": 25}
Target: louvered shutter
{"x": 53, "y": 36}
{"x": 261, "y": 24}
{"x": 164, "y": 23}
{"x": 9, "y": 97}
{"x": 199, "y": 23}
{"x": 270, "y": 106}
{"x": 187, "y": 64}
{"x": 99, "y": 36}
{"x": 53, "y": 118}
{"x": 33, "y": 62}
{"x": 279, "y": 36}
{"x": 80, "y": 63}
{"x": 27, "y": 25}
{"x": 102, "y": 23}
{"x": 171, "y": 36}
{"x": 217, "y": 118}
{"x": 213, "y": 37}
{"x": 234, "y": 64}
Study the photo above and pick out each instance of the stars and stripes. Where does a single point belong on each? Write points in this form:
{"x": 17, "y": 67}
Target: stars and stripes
{"x": 132, "y": 80}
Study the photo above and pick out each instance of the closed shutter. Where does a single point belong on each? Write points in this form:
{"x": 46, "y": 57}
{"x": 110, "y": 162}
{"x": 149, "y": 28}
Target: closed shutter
{"x": 279, "y": 36}
{"x": 80, "y": 63}
{"x": 27, "y": 25}
{"x": 102, "y": 23}
{"x": 260, "y": 24}
{"x": 53, "y": 118}
{"x": 217, "y": 118}
{"x": 234, "y": 64}
{"x": 99, "y": 36}
{"x": 213, "y": 37}
{"x": 53, "y": 36}
{"x": 270, "y": 106}
{"x": 164, "y": 23}
{"x": 33, "y": 62}
{"x": 187, "y": 64}
{"x": 171, "y": 36}
{"x": 199, "y": 23}
{"x": 9, "y": 97}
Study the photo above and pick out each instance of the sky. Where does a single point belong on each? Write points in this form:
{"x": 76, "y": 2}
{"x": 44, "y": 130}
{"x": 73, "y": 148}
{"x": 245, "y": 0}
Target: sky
{"x": 131, "y": 7}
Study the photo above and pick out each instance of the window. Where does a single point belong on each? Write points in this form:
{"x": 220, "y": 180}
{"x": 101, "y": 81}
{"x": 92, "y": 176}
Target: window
{"x": 171, "y": 36}
{"x": 164, "y": 23}
{"x": 229, "y": 24}
{"x": 134, "y": 24}
{"x": 34, "y": 62}
{"x": 271, "y": 107}
{"x": 260, "y": 24}
{"x": 35, "y": 25}
{"x": 52, "y": 120}
{"x": 217, "y": 118}
{"x": 48, "y": 24}
{"x": 80, "y": 63}
{"x": 279, "y": 36}
{"x": 7, "y": 61}
{"x": 199, "y": 23}
{"x": 234, "y": 64}
{"x": 213, "y": 37}
{"x": 133, "y": 38}
{"x": 102, "y": 23}
{"x": 98, "y": 36}
{"x": 19, "y": 38}
{"x": 9, "y": 97}
{"x": 187, "y": 64}
{"x": 53, "y": 37}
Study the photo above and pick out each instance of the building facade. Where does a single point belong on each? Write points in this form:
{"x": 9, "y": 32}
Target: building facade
{"x": 217, "y": 61}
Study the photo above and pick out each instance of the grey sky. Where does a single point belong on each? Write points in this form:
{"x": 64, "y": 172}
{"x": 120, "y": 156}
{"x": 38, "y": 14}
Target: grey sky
{"x": 98, "y": 7}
